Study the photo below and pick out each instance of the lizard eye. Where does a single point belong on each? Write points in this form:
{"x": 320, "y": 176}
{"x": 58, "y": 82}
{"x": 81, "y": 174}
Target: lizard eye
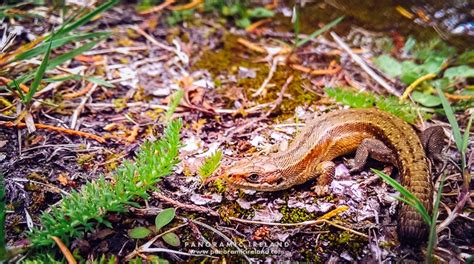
{"x": 253, "y": 177}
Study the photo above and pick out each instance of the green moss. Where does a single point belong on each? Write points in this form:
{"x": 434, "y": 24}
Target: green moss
{"x": 232, "y": 55}
{"x": 295, "y": 215}
{"x": 233, "y": 209}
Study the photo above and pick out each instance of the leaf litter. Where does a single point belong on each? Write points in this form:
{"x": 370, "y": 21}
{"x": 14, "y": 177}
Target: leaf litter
{"x": 145, "y": 67}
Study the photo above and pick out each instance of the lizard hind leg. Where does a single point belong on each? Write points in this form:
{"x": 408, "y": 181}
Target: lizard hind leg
{"x": 374, "y": 148}
{"x": 432, "y": 140}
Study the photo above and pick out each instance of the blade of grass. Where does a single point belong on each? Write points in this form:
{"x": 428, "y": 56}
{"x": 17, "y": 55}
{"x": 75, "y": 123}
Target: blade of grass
{"x": 86, "y": 18}
{"x": 432, "y": 236}
{"x": 296, "y": 24}
{"x": 58, "y": 42}
{"x": 18, "y": 89}
{"x": 407, "y": 196}
{"x": 61, "y": 59}
{"x": 99, "y": 81}
{"x": 319, "y": 31}
{"x": 78, "y": 77}
{"x": 451, "y": 118}
{"x": 39, "y": 74}
{"x": 467, "y": 132}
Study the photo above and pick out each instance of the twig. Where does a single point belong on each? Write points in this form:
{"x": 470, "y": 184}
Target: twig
{"x": 80, "y": 107}
{"x": 251, "y": 110}
{"x": 257, "y": 24}
{"x": 330, "y": 70}
{"x": 454, "y": 213}
{"x": 190, "y": 207}
{"x": 73, "y": 132}
{"x": 251, "y": 46}
{"x": 223, "y": 236}
{"x": 364, "y": 65}
{"x": 322, "y": 219}
{"x": 273, "y": 68}
{"x": 152, "y": 39}
{"x": 66, "y": 252}
{"x": 81, "y": 92}
{"x": 279, "y": 100}
{"x": 147, "y": 245}
{"x": 56, "y": 189}
{"x": 276, "y": 103}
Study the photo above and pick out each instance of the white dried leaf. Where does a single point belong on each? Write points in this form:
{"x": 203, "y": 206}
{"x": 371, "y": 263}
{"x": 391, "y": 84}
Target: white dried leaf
{"x": 200, "y": 199}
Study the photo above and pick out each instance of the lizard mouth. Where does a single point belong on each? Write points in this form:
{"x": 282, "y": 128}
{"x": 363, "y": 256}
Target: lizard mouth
{"x": 263, "y": 186}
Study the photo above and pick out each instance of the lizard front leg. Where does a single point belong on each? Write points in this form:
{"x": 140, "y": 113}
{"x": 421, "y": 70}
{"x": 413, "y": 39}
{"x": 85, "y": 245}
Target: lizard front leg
{"x": 324, "y": 171}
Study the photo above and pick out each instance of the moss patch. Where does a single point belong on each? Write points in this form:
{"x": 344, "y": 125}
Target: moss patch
{"x": 227, "y": 60}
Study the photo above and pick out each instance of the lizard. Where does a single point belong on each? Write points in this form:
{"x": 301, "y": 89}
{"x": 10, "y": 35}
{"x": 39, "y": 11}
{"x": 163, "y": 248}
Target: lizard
{"x": 367, "y": 132}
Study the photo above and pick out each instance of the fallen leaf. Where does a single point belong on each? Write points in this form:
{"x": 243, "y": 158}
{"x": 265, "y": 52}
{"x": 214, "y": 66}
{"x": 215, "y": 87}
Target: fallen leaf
{"x": 201, "y": 199}
{"x": 63, "y": 179}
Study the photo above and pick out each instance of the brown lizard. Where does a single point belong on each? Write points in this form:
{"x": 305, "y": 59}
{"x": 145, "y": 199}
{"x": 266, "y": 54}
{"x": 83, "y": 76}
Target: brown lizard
{"x": 368, "y": 132}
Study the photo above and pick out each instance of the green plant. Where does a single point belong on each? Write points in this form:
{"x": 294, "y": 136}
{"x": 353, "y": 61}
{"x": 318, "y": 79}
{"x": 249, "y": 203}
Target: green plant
{"x": 428, "y": 66}
{"x": 162, "y": 219}
{"x": 43, "y": 258}
{"x": 389, "y": 104}
{"x": 5, "y": 10}
{"x": 210, "y": 164}
{"x": 46, "y": 44}
{"x": 82, "y": 210}
{"x": 240, "y": 11}
{"x": 175, "y": 99}
{"x": 460, "y": 140}
{"x": 410, "y": 199}
{"x": 318, "y": 32}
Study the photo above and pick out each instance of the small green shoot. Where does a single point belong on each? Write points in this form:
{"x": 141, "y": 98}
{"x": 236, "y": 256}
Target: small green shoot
{"x": 320, "y": 31}
{"x": 296, "y": 24}
{"x": 410, "y": 199}
{"x": 239, "y": 11}
{"x": 210, "y": 164}
{"x": 406, "y": 196}
{"x": 432, "y": 239}
{"x": 460, "y": 140}
{"x": 175, "y": 99}
{"x": 162, "y": 219}
{"x": 86, "y": 18}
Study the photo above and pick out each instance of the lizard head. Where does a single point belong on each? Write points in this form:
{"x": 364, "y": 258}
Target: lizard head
{"x": 256, "y": 174}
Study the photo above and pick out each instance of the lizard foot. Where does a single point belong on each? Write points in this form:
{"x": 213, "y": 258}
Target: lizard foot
{"x": 321, "y": 190}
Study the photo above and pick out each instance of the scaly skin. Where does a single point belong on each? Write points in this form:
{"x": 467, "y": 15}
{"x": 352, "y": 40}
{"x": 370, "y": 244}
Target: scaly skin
{"x": 336, "y": 134}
